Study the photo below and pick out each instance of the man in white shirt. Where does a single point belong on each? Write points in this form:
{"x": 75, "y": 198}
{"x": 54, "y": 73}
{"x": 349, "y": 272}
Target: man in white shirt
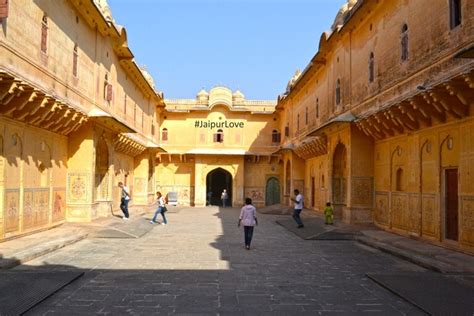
{"x": 298, "y": 208}
{"x": 125, "y": 198}
{"x": 224, "y": 197}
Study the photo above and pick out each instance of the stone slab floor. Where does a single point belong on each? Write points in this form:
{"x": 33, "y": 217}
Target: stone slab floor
{"x": 197, "y": 264}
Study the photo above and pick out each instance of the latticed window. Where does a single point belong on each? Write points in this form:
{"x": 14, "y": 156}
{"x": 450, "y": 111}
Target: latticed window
{"x": 287, "y": 131}
{"x": 3, "y": 9}
{"x": 371, "y": 68}
{"x": 454, "y": 13}
{"x": 74, "y": 61}
{"x": 404, "y": 42}
{"x": 44, "y": 34}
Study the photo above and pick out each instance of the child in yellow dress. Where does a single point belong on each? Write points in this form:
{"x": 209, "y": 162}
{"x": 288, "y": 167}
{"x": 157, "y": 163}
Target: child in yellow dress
{"x": 329, "y": 213}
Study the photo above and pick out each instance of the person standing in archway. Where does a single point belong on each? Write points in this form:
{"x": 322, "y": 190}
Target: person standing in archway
{"x": 224, "y": 197}
{"x": 248, "y": 217}
{"x": 298, "y": 208}
{"x": 209, "y": 198}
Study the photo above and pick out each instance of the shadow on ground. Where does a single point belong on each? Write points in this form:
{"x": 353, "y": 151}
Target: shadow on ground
{"x": 281, "y": 274}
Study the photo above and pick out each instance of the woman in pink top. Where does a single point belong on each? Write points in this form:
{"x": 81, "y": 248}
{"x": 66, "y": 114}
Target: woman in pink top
{"x": 248, "y": 218}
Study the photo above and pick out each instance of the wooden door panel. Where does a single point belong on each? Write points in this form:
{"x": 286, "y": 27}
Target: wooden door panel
{"x": 451, "y": 204}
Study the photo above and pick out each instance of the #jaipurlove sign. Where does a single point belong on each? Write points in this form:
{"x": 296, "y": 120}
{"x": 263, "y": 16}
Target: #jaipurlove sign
{"x": 221, "y": 124}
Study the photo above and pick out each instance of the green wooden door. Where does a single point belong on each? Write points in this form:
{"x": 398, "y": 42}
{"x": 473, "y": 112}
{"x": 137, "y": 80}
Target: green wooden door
{"x": 272, "y": 192}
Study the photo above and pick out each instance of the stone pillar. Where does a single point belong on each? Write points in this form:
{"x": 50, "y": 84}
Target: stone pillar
{"x": 2, "y": 190}
{"x": 360, "y": 180}
{"x": 140, "y": 179}
{"x": 80, "y": 176}
{"x": 199, "y": 183}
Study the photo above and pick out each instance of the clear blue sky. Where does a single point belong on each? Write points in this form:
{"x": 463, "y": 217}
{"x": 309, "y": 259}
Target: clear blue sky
{"x": 251, "y": 45}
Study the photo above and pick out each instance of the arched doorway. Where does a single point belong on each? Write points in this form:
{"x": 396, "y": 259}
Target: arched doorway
{"x": 272, "y": 192}
{"x": 216, "y": 181}
{"x": 101, "y": 171}
{"x": 339, "y": 177}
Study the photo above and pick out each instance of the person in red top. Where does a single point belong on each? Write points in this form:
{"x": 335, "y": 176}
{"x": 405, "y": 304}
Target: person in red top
{"x": 248, "y": 218}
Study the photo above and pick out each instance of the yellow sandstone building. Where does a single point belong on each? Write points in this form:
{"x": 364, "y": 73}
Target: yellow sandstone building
{"x": 77, "y": 115}
{"x": 380, "y": 123}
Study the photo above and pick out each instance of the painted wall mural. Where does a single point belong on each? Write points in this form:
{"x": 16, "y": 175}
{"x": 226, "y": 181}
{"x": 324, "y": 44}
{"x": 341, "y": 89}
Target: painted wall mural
{"x": 78, "y": 188}
{"x": 59, "y": 204}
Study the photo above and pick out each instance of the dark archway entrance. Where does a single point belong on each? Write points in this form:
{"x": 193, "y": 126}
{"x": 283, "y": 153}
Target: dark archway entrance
{"x": 216, "y": 181}
{"x": 272, "y": 192}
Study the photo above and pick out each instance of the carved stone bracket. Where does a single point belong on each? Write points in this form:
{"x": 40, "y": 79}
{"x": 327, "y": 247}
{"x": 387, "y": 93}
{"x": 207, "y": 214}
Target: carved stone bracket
{"x": 449, "y": 100}
{"x": 311, "y": 147}
{"x": 22, "y": 102}
{"x": 128, "y": 146}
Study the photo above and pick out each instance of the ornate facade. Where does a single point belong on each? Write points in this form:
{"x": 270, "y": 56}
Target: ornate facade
{"x": 217, "y": 141}
{"x": 77, "y": 115}
{"x": 381, "y": 122}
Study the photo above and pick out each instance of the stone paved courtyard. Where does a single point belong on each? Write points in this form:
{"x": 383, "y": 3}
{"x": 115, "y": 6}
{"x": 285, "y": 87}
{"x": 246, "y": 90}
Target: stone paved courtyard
{"x": 197, "y": 265}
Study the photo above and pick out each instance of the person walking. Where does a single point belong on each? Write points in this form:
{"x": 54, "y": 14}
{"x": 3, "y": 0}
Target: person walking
{"x": 328, "y": 214}
{"x": 125, "y": 198}
{"x": 160, "y": 210}
{"x": 224, "y": 197}
{"x": 298, "y": 208}
{"x": 248, "y": 218}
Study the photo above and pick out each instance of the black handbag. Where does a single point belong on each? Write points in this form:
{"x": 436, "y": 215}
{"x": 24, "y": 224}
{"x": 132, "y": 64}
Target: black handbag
{"x": 164, "y": 210}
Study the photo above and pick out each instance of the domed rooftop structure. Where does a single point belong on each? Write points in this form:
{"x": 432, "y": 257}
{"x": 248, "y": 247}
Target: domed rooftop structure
{"x": 202, "y": 96}
{"x": 148, "y": 76}
{"x": 105, "y": 9}
{"x": 293, "y": 80}
{"x": 238, "y": 97}
{"x": 342, "y": 14}
{"x": 220, "y": 95}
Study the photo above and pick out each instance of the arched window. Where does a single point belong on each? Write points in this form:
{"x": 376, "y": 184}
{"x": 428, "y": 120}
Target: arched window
{"x": 107, "y": 89}
{"x": 317, "y": 107}
{"x": 399, "y": 180}
{"x": 164, "y": 134}
{"x": 404, "y": 42}
{"x": 338, "y": 92}
{"x": 454, "y": 13}
{"x": 219, "y": 136}
{"x": 371, "y": 68}
{"x": 44, "y": 34}
{"x": 275, "y": 137}
{"x": 74, "y": 61}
